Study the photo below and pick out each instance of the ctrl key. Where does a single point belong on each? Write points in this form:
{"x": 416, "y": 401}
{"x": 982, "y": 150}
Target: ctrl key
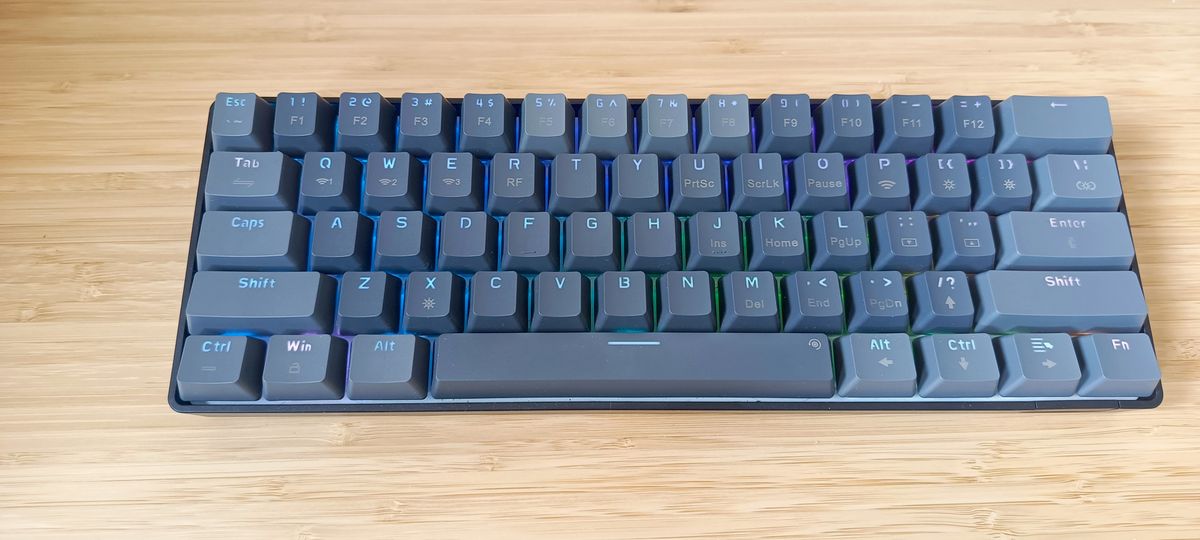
{"x": 220, "y": 368}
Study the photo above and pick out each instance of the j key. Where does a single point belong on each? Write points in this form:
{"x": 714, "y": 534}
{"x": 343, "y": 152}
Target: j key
{"x": 387, "y": 367}
{"x": 1064, "y": 241}
{"x": 518, "y": 184}
{"x": 366, "y": 123}
{"x": 607, "y": 126}
{"x": 576, "y": 184}
{"x": 393, "y": 182}
{"x": 488, "y": 125}
{"x": 941, "y": 302}
{"x": 303, "y": 123}
{"x": 1037, "y": 365}
{"x": 900, "y": 241}
{"x": 785, "y": 124}
{"x": 965, "y": 126}
{"x": 714, "y": 242}
{"x": 252, "y": 241}
{"x": 697, "y": 184}
{"x": 757, "y": 184}
{"x": 547, "y": 125}
{"x": 455, "y": 183}
{"x": 877, "y": 302}
{"x": 876, "y": 365}
{"x": 1116, "y": 365}
{"x": 499, "y": 302}
{"x": 652, "y": 242}
{"x": 666, "y": 125}
{"x": 426, "y": 124}
{"x": 905, "y": 124}
{"x": 1076, "y": 183}
{"x": 530, "y": 242}
{"x": 750, "y": 302}
{"x": 813, "y": 301}
{"x": 590, "y": 243}
{"x": 846, "y": 125}
{"x": 820, "y": 183}
{"x": 839, "y": 241}
{"x": 686, "y": 302}
{"x": 467, "y": 242}
{"x": 304, "y": 367}
{"x": 964, "y": 242}
{"x": 329, "y": 181}
{"x": 880, "y": 183}
{"x": 1040, "y": 125}
{"x": 241, "y": 122}
{"x": 341, "y": 242}
{"x": 636, "y": 185}
{"x": 1002, "y": 183}
{"x": 560, "y": 302}
{"x": 220, "y": 368}
{"x": 776, "y": 241}
{"x": 251, "y": 181}
{"x": 943, "y": 183}
{"x": 367, "y": 303}
{"x": 404, "y": 241}
{"x": 433, "y": 303}
{"x": 623, "y": 302}
{"x": 260, "y": 302}
{"x": 723, "y": 121}
{"x": 1063, "y": 301}
{"x": 957, "y": 365}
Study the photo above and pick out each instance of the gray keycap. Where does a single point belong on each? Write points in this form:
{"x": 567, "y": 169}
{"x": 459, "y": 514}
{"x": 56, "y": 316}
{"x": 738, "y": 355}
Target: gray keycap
{"x": 590, "y": 243}
{"x": 426, "y": 124}
{"x": 300, "y": 367}
{"x": 785, "y": 124}
{"x": 1037, "y": 365}
{"x": 957, "y": 365}
{"x": 341, "y": 242}
{"x": 252, "y": 241}
{"x": 1040, "y": 125}
{"x": 905, "y": 124}
{"x": 488, "y": 125}
{"x": 839, "y": 241}
{"x": 686, "y": 302}
{"x": 1062, "y": 301}
{"x": 393, "y": 182}
{"x": 665, "y": 122}
{"x": 607, "y": 125}
{"x": 723, "y": 123}
{"x": 846, "y": 124}
{"x": 387, "y": 367}
{"x": 880, "y": 183}
{"x": 303, "y": 123}
{"x": 1116, "y": 365}
{"x": 941, "y": 302}
{"x": 623, "y": 302}
{"x": 251, "y": 181}
{"x": 813, "y": 302}
{"x": 220, "y": 368}
{"x": 560, "y": 302}
{"x": 260, "y": 302}
{"x": 467, "y": 242}
{"x": 241, "y": 122}
{"x": 547, "y": 125}
{"x": 714, "y": 242}
{"x": 404, "y": 241}
{"x": 367, "y": 303}
{"x": 750, "y": 303}
{"x": 697, "y": 184}
{"x": 964, "y": 242}
{"x": 876, "y": 302}
{"x": 530, "y": 243}
{"x": 499, "y": 302}
{"x": 1002, "y": 183}
{"x": 433, "y": 303}
{"x": 518, "y": 184}
{"x": 1064, "y": 241}
{"x": 455, "y": 183}
{"x": 576, "y": 184}
{"x": 776, "y": 242}
{"x": 943, "y": 183}
{"x": 640, "y": 365}
{"x": 965, "y": 125}
{"x": 329, "y": 181}
{"x": 819, "y": 184}
{"x": 366, "y": 123}
{"x": 900, "y": 241}
{"x": 636, "y": 185}
{"x": 757, "y": 184}
{"x": 876, "y": 365}
{"x": 1076, "y": 183}
{"x": 652, "y": 242}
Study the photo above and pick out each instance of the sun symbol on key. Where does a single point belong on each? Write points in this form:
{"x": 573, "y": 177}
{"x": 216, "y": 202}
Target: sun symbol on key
{"x": 1010, "y": 185}
{"x": 428, "y": 303}
{"x": 948, "y": 184}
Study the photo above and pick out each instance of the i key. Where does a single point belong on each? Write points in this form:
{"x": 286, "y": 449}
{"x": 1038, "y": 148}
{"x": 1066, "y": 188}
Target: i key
{"x": 498, "y": 302}
{"x": 426, "y": 124}
{"x": 241, "y": 122}
{"x": 547, "y": 125}
{"x": 341, "y": 242}
{"x": 607, "y": 126}
{"x": 785, "y": 124}
{"x": 750, "y": 302}
{"x": 303, "y": 123}
{"x": 366, "y": 123}
{"x": 433, "y": 303}
{"x": 329, "y": 181}
{"x": 724, "y": 125}
{"x": 560, "y": 302}
{"x": 467, "y": 242}
{"x": 666, "y": 125}
{"x": 455, "y": 183}
{"x": 367, "y": 303}
{"x": 757, "y": 184}
{"x": 488, "y": 124}
{"x": 517, "y": 184}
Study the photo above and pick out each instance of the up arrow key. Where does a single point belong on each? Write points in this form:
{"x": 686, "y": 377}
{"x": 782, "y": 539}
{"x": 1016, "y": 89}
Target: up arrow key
{"x": 950, "y": 303}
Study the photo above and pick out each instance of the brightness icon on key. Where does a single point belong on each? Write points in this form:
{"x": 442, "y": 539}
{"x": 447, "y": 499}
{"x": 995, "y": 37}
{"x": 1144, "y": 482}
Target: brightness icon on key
{"x": 428, "y": 303}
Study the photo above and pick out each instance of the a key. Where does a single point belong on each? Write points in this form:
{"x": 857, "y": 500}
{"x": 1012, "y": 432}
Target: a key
{"x": 813, "y": 302}
{"x": 714, "y": 242}
{"x": 1076, "y": 183}
{"x": 606, "y": 129}
{"x": 905, "y": 124}
{"x": 776, "y": 242}
{"x": 697, "y": 184}
{"x": 518, "y": 184}
{"x": 880, "y": 183}
{"x": 839, "y": 241}
{"x": 329, "y": 181}
{"x": 785, "y": 124}
{"x": 1061, "y": 301}
{"x": 1117, "y": 365}
{"x": 366, "y": 123}
{"x": 300, "y": 367}
{"x": 965, "y": 126}
{"x": 576, "y": 184}
{"x": 1002, "y": 183}
{"x": 943, "y": 183}
{"x": 241, "y": 122}
{"x": 590, "y": 243}
{"x": 387, "y": 367}
{"x": 547, "y": 125}
{"x": 846, "y": 124}
{"x": 876, "y": 302}
{"x": 560, "y": 302}
{"x": 220, "y": 368}
{"x": 964, "y": 242}
{"x": 303, "y": 123}
{"x": 1064, "y": 241}
{"x": 876, "y": 365}
{"x": 665, "y": 122}
{"x": 260, "y": 302}
{"x": 498, "y": 302}
{"x": 900, "y": 241}
{"x": 455, "y": 183}
{"x": 623, "y": 302}
{"x": 251, "y": 181}
{"x": 957, "y": 365}
{"x": 467, "y": 242}
{"x": 426, "y": 124}
{"x": 341, "y": 242}
{"x": 530, "y": 243}
{"x": 686, "y": 302}
{"x": 941, "y": 302}
{"x": 819, "y": 182}
{"x": 757, "y": 184}
{"x": 1040, "y": 125}
{"x": 367, "y": 303}
{"x": 723, "y": 122}
{"x": 488, "y": 125}
{"x": 433, "y": 303}
{"x": 392, "y": 182}
{"x": 404, "y": 241}
{"x": 636, "y": 185}
{"x": 252, "y": 241}
{"x": 749, "y": 302}
{"x": 1038, "y": 365}
{"x": 652, "y": 242}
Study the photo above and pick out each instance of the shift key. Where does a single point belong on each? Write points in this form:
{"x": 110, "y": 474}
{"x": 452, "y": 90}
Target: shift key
{"x": 260, "y": 302}
{"x": 1059, "y": 301}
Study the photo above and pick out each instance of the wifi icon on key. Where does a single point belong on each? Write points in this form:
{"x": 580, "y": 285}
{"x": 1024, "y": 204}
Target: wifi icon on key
{"x": 886, "y": 184}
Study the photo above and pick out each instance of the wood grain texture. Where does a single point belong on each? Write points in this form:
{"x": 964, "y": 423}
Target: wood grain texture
{"x": 101, "y": 124}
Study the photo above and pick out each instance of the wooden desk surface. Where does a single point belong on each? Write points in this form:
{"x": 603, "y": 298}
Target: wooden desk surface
{"x": 101, "y": 125}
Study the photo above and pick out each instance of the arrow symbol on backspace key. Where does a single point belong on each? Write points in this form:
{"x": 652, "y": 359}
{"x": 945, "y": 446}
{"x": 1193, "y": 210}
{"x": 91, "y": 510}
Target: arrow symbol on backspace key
{"x": 886, "y": 362}
{"x": 1055, "y": 105}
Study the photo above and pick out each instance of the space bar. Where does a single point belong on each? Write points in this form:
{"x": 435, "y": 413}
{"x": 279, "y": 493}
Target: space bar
{"x": 597, "y": 365}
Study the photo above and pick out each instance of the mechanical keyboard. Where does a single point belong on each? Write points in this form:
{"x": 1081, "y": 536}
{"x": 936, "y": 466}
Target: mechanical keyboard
{"x": 363, "y": 253}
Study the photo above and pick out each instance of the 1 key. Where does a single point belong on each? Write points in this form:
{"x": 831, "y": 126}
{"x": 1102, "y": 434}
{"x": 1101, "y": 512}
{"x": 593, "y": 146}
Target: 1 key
{"x": 303, "y": 123}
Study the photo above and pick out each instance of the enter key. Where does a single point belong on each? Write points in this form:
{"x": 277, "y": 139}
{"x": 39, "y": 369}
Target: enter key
{"x": 1064, "y": 241}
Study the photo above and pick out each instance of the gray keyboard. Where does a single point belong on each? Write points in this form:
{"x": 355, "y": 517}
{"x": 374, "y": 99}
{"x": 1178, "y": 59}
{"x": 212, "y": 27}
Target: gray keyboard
{"x": 417, "y": 253}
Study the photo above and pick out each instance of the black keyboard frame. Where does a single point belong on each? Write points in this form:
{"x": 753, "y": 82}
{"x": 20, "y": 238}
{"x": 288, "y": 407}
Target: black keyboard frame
{"x": 430, "y": 404}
